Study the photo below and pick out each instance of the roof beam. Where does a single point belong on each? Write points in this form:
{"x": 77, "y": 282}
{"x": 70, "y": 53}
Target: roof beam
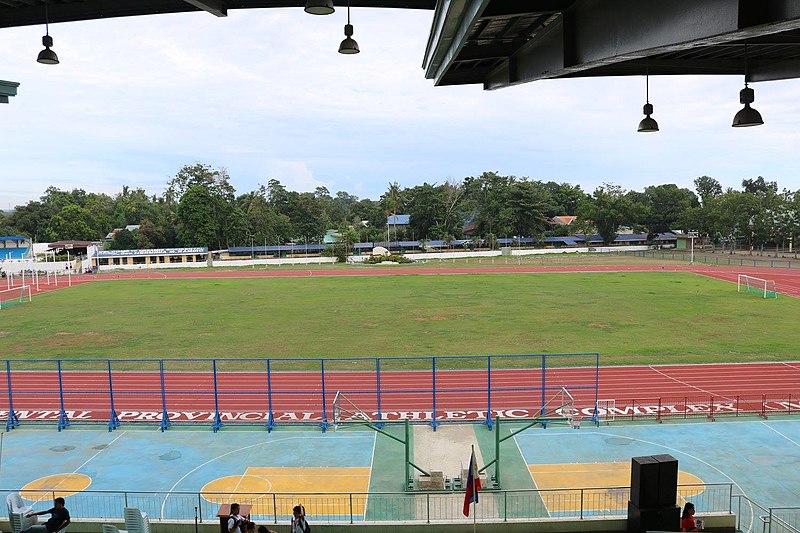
{"x": 7, "y": 90}
{"x": 211, "y": 6}
{"x": 593, "y": 35}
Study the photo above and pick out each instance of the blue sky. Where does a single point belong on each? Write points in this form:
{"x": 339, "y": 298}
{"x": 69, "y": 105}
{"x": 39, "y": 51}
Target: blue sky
{"x": 264, "y": 94}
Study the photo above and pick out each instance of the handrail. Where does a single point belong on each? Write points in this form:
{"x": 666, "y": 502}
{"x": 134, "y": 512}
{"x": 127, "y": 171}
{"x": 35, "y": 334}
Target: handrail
{"x": 378, "y": 507}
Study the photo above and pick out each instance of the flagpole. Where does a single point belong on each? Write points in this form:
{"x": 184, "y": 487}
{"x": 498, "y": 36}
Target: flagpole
{"x": 474, "y": 508}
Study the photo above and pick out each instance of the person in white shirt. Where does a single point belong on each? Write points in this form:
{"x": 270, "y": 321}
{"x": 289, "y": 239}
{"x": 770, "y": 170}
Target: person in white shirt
{"x": 299, "y": 524}
{"x": 235, "y": 520}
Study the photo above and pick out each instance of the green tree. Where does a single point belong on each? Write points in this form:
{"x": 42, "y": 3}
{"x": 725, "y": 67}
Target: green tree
{"x": 72, "y": 222}
{"x": 707, "y": 189}
{"x": 607, "y": 209}
{"x": 123, "y": 240}
{"x": 196, "y": 225}
{"x": 665, "y": 207}
{"x": 530, "y": 204}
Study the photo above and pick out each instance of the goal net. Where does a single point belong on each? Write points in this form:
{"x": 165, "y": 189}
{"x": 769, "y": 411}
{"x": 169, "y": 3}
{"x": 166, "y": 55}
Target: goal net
{"x": 14, "y": 295}
{"x": 762, "y": 287}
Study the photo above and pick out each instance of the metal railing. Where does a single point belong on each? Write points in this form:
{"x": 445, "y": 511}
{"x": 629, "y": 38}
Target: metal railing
{"x": 417, "y": 507}
{"x": 275, "y": 392}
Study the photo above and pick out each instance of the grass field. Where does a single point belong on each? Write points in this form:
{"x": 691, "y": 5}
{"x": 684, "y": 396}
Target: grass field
{"x": 630, "y": 318}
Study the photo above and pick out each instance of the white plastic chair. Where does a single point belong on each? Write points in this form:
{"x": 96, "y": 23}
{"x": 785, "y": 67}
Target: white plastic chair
{"x": 136, "y": 521}
{"x": 18, "y": 522}
{"x": 110, "y": 528}
{"x": 16, "y": 505}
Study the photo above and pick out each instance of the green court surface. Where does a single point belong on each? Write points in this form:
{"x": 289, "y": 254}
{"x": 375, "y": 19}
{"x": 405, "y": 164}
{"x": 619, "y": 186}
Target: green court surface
{"x": 168, "y": 474}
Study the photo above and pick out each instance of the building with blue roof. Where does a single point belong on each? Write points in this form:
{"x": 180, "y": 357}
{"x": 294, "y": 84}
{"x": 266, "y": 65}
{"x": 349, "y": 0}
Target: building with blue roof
{"x": 15, "y": 247}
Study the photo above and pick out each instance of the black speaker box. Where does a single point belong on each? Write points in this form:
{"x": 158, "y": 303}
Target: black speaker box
{"x": 667, "y": 480}
{"x": 644, "y": 481}
{"x": 654, "y": 519}
{"x": 654, "y": 481}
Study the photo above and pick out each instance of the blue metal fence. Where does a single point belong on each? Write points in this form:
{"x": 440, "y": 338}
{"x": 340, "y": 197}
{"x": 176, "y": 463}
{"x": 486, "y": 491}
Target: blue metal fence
{"x": 273, "y": 392}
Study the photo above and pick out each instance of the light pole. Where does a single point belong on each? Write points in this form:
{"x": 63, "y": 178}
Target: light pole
{"x": 692, "y": 236}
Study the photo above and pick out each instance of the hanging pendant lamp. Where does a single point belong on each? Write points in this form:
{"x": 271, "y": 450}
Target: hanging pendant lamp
{"x": 47, "y": 56}
{"x": 747, "y": 116}
{"x": 648, "y": 124}
{"x": 348, "y": 45}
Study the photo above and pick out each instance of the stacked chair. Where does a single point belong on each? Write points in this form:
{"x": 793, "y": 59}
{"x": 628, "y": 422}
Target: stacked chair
{"x": 136, "y": 521}
{"x": 17, "y": 511}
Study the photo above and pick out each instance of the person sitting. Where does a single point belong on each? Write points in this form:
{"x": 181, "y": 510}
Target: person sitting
{"x": 59, "y": 519}
{"x": 687, "y": 518}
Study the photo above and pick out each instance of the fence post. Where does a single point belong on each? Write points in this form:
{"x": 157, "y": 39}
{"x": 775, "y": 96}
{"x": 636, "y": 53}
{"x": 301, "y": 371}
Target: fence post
{"x": 351, "y": 507}
{"x": 489, "y": 391}
{"x": 324, "y": 424}
{"x": 63, "y": 420}
{"x": 434, "y": 422}
{"x": 165, "y": 423}
{"x": 271, "y": 418}
{"x": 378, "y": 388}
{"x": 505, "y": 506}
{"x": 113, "y": 419}
{"x": 581, "y": 504}
{"x": 428, "y": 507}
{"x": 217, "y": 419}
{"x": 275, "y": 507}
{"x": 13, "y": 419}
{"x": 200, "y": 507}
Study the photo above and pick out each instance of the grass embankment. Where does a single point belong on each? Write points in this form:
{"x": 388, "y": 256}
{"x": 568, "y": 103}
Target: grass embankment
{"x": 630, "y": 318}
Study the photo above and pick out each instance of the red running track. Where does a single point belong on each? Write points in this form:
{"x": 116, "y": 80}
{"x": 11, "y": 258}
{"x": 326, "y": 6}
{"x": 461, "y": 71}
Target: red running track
{"x": 402, "y": 392}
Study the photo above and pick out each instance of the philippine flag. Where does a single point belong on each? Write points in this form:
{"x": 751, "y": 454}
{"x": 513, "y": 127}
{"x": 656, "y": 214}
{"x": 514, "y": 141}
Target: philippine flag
{"x": 473, "y": 483}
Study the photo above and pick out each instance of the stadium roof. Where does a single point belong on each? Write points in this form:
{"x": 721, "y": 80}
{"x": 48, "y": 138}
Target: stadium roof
{"x": 28, "y": 12}
{"x": 499, "y": 43}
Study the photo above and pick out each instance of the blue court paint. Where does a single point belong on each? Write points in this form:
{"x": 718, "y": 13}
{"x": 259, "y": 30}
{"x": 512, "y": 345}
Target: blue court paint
{"x": 761, "y": 457}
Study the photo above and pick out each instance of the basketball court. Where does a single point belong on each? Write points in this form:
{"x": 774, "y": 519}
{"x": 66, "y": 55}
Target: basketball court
{"x": 343, "y": 474}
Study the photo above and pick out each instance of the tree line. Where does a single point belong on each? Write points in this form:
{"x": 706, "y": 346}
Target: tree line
{"x": 200, "y": 207}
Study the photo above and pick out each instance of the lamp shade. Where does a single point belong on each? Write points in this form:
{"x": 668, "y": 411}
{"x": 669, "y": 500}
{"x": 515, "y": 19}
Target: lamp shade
{"x": 747, "y": 116}
{"x": 47, "y": 56}
{"x": 648, "y": 123}
{"x": 319, "y": 7}
{"x": 348, "y": 45}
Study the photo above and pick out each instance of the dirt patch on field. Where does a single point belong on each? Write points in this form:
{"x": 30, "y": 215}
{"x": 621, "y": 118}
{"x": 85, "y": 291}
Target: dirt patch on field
{"x": 434, "y": 318}
{"x": 601, "y": 325}
{"x": 72, "y": 339}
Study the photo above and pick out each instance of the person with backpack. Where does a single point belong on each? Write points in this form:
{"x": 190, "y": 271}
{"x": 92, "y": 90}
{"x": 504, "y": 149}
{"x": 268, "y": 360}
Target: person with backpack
{"x": 235, "y": 520}
{"x": 299, "y": 524}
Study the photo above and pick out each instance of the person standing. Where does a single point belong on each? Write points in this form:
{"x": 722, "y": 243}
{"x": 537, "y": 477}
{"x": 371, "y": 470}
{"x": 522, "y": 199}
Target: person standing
{"x": 235, "y": 520}
{"x": 59, "y": 518}
{"x": 299, "y": 524}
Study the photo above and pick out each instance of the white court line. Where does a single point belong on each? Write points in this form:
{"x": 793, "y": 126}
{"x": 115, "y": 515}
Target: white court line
{"x": 86, "y": 462}
{"x": 684, "y": 383}
{"x": 201, "y": 465}
{"x": 781, "y": 434}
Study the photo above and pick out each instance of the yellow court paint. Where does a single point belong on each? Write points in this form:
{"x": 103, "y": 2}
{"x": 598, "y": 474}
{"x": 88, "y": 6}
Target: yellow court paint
{"x": 271, "y": 489}
{"x": 56, "y": 485}
{"x": 600, "y": 476}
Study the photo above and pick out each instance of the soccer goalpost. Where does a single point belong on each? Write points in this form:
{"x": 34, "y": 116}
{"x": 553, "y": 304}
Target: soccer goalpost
{"x": 14, "y": 295}
{"x": 763, "y": 287}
